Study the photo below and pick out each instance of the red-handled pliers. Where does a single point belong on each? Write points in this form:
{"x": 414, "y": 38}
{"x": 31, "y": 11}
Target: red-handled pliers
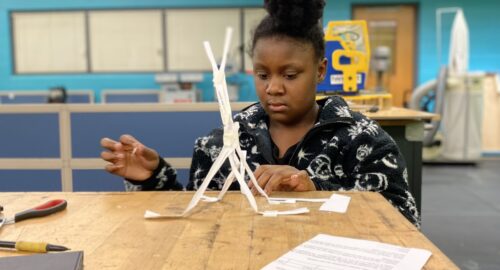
{"x": 42, "y": 210}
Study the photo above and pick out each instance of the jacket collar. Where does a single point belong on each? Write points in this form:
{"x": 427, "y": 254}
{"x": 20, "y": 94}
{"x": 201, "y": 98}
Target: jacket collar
{"x": 334, "y": 110}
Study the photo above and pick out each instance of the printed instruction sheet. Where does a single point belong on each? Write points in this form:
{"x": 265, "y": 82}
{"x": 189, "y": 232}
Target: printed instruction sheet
{"x": 326, "y": 252}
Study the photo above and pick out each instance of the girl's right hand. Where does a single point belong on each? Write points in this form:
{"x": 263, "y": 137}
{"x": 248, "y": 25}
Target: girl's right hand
{"x": 129, "y": 158}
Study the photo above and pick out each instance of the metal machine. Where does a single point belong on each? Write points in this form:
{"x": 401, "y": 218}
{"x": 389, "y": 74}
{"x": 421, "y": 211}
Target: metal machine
{"x": 456, "y": 95}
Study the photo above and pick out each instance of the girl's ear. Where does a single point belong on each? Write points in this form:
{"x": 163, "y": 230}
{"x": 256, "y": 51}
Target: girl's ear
{"x": 322, "y": 69}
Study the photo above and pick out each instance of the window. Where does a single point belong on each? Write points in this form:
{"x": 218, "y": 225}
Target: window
{"x": 49, "y": 42}
{"x": 129, "y": 40}
{"x": 186, "y": 31}
{"x": 252, "y": 18}
{"x": 126, "y": 40}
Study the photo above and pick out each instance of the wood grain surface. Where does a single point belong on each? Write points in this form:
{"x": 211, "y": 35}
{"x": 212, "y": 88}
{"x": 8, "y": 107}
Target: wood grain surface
{"x": 111, "y": 230}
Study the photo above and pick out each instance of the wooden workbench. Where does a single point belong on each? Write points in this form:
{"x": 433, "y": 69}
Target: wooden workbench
{"x": 111, "y": 230}
{"x": 401, "y": 114}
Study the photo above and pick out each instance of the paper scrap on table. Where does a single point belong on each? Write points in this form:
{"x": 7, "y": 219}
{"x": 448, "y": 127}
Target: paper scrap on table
{"x": 274, "y": 213}
{"x": 153, "y": 215}
{"x": 276, "y": 200}
{"x": 337, "y": 203}
{"x": 331, "y": 252}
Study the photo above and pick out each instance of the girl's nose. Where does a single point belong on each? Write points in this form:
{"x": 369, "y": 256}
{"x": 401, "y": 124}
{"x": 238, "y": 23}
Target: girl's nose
{"x": 275, "y": 86}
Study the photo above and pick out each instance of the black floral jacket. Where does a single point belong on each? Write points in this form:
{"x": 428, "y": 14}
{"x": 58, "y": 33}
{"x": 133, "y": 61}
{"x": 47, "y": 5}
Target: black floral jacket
{"x": 343, "y": 151}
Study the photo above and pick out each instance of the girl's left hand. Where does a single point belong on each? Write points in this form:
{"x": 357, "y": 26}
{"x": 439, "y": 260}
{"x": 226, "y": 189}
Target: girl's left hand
{"x": 281, "y": 178}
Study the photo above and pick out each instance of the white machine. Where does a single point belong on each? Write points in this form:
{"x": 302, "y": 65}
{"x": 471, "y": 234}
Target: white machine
{"x": 457, "y": 96}
{"x": 180, "y": 87}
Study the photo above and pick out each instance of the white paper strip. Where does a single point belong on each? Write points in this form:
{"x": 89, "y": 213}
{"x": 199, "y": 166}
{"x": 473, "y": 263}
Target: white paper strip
{"x": 270, "y": 213}
{"x": 294, "y": 200}
{"x": 337, "y": 203}
{"x": 153, "y": 215}
{"x": 209, "y": 199}
{"x": 274, "y": 213}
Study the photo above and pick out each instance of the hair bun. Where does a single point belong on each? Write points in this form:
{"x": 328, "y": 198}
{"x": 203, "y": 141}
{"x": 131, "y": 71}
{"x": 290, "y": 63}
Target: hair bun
{"x": 296, "y": 15}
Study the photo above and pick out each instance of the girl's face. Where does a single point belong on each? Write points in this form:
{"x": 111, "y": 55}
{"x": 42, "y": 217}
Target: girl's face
{"x": 286, "y": 72}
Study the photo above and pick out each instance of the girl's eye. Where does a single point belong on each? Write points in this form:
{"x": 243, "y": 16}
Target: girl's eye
{"x": 290, "y": 76}
{"x": 262, "y": 76}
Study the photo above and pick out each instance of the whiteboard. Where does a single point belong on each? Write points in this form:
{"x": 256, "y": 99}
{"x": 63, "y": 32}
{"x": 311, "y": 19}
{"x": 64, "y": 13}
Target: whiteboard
{"x": 126, "y": 40}
{"x": 49, "y": 42}
{"x": 252, "y": 16}
{"x": 186, "y": 31}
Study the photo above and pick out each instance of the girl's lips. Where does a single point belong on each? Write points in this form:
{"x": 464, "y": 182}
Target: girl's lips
{"x": 277, "y": 107}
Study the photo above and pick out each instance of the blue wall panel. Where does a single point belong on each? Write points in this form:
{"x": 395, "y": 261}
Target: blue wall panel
{"x": 30, "y": 180}
{"x": 132, "y": 98}
{"x": 42, "y": 99}
{"x": 79, "y": 98}
{"x": 100, "y": 180}
{"x": 154, "y": 129}
{"x": 32, "y": 99}
{"x": 96, "y": 180}
{"x": 183, "y": 176}
{"x": 29, "y": 135}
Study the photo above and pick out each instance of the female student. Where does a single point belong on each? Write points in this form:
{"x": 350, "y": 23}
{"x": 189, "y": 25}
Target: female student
{"x": 293, "y": 142}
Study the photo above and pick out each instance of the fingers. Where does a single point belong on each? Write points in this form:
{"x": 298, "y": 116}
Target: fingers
{"x": 283, "y": 178}
{"x": 286, "y": 178}
{"x": 310, "y": 184}
{"x": 303, "y": 174}
{"x": 261, "y": 169}
{"x": 293, "y": 183}
{"x": 146, "y": 152}
{"x": 256, "y": 174}
{"x": 111, "y": 157}
{"x": 128, "y": 140}
{"x": 109, "y": 144}
{"x": 274, "y": 182}
{"x": 116, "y": 162}
{"x": 301, "y": 182}
{"x": 136, "y": 147}
{"x": 269, "y": 177}
{"x": 113, "y": 168}
{"x": 262, "y": 175}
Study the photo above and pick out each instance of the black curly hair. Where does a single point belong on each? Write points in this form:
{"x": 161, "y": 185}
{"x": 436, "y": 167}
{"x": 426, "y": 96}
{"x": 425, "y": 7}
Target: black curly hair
{"x": 297, "y": 19}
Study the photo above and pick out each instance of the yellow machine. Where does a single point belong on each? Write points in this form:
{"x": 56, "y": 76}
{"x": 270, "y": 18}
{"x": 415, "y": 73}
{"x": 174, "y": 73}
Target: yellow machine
{"x": 348, "y": 52}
